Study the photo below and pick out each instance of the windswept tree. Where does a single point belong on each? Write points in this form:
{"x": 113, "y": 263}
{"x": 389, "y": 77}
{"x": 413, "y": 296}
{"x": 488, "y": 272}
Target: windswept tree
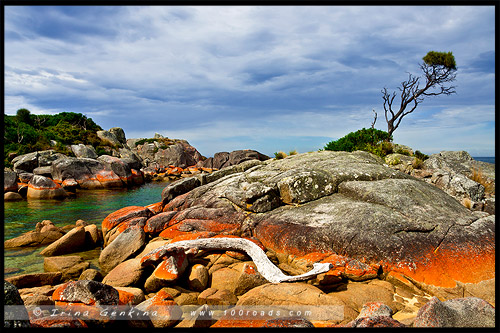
{"x": 439, "y": 68}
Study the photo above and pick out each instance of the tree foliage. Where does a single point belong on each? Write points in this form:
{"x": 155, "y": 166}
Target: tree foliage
{"x": 26, "y": 132}
{"x": 438, "y": 68}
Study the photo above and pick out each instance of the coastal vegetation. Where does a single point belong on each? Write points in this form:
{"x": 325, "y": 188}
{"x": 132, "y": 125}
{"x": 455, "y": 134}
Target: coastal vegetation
{"x": 25, "y": 133}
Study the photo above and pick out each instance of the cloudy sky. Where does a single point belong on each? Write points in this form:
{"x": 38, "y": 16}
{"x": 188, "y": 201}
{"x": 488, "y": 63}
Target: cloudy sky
{"x": 264, "y": 78}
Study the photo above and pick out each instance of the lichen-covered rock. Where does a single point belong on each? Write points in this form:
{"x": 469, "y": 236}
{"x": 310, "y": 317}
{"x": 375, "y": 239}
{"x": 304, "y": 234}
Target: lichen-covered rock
{"x": 168, "y": 271}
{"x": 122, "y": 215}
{"x": 179, "y": 187}
{"x": 460, "y": 312}
{"x": 158, "y": 222}
{"x": 168, "y": 313}
{"x": 41, "y": 187}
{"x": 198, "y": 277}
{"x": 238, "y": 278}
{"x": 87, "y": 292}
{"x": 376, "y": 220}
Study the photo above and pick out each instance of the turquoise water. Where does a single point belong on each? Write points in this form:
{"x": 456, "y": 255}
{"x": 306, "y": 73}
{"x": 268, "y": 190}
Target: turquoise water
{"x": 90, "y": 206}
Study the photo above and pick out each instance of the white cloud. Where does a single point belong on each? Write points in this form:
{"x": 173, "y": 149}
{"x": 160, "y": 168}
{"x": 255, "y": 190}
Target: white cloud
{"x": 227, "y": 72}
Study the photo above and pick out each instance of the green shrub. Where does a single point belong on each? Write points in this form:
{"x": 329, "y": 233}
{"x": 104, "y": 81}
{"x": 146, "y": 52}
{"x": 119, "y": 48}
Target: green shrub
{"x": 403, "y": 152}
{"x": 421, "y": 156}
{"x": 371, "y": 140}
{"x": 279, "y": 155}
{"x": 417, "y": 163}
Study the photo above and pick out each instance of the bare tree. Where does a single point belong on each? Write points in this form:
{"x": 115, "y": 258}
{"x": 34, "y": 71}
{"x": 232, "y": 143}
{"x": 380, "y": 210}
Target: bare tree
{"x": 438, "y": 68}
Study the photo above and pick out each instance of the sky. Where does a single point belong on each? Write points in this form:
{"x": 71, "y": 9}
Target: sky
{"x": 253, "y": 77}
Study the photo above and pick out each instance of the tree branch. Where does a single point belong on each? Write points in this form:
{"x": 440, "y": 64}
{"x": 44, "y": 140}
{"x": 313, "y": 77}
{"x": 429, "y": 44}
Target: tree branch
{"x": 265, "y": 267}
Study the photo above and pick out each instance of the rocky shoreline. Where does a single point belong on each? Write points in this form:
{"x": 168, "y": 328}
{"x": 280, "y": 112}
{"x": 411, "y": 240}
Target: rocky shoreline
{"x": 402, "y": 246}
{"x": 51, "y": 175}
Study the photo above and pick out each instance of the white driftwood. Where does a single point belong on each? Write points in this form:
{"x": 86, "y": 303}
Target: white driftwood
{"x": 265, "y": 267}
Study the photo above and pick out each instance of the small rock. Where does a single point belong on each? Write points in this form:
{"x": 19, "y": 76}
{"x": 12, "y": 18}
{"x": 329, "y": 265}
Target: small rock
{"x": 198, "y": 277}
{"x": 222, "y": 297}
{"x": 459, "y": 312}
{"x": 86, "y": 292}
{"x": 137, "y": 295}
{"x": 167, "y": 271}
{"x": 91, "y": 274}
{"x": 125, "y": 274}
{"x": 202, "y": 297}
{"x": 12, "y": 196}
{"x": 168, "y": 312}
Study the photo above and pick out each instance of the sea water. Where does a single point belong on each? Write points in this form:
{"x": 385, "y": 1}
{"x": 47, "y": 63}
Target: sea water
{"x": 90, "y": 206}
{"x": 485, "y": 159}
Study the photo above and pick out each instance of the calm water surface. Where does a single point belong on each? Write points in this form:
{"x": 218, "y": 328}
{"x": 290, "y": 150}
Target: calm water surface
{"x": 90, "y": 206}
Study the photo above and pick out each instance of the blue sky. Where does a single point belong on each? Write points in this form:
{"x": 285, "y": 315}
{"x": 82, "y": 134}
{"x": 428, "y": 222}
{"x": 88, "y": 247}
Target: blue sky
{"x": 257, "y": 77}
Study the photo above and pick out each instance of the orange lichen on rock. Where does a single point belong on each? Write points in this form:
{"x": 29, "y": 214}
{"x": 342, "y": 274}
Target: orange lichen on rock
{"x": 115, "y": 218}
{"x": 172, "y": 267}
{"x": 192, "y": 235}
{"x": 194, "y": 225}
{"x": 449, "y": 264}
{"x": 109, "y": 179}
{"x": 156, "y": 208}
{"x": 125, "y": 297}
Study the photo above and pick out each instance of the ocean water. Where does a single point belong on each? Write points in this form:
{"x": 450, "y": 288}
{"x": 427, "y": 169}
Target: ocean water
{"x": 485, "y": 159}
{"x": 90, "y": 206}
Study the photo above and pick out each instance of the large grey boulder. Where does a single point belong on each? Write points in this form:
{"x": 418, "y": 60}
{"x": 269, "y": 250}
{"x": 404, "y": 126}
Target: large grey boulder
{"x": 9, "y": 181}
{"x": 225, "y": 159}
{"x": 89, "y": 173}
{"x": 86, "y": 151}
{"x": 349, "y": 204}
{"x": 119, "y": 134}
{"x": 15, "y": 314}
{"x": 180, "y": 154}
{"x": 26, "y": 162}
{"x": 30, "y": 161}
{"x": 109, "y": 138}
{"x": 452, "y": 171}
{"x": 41, "y": 187}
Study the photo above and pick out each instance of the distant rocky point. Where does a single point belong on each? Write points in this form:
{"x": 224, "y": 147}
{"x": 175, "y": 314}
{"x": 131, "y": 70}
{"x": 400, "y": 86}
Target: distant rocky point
{"x": 51, "y": 175}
